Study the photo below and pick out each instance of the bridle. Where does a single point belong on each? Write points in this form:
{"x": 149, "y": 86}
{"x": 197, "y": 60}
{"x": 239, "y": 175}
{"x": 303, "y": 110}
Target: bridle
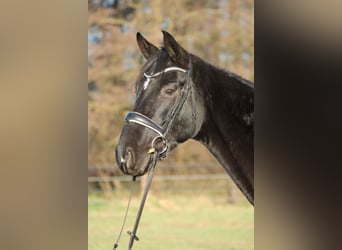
{"x": 162, "y": 133}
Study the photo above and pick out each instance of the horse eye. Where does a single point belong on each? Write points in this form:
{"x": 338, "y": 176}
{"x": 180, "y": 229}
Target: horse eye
{"x": 169, "y": 91}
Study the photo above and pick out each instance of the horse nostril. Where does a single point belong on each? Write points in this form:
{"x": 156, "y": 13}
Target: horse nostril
{"x": 125, "y": 159}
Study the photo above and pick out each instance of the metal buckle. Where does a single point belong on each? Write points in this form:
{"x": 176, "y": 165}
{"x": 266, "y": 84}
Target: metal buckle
{"x": 153, "y": 148}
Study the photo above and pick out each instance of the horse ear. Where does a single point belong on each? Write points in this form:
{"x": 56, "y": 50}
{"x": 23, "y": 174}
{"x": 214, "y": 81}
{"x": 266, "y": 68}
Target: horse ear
{"x": 175, "y": 51}
{"x": 146, "y": 48}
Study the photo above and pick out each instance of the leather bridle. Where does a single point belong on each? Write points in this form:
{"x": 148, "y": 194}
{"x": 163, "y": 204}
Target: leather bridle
{"x": 162, "y": 132}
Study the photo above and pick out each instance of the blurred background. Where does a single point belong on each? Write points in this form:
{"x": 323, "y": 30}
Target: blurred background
{"x": 220, "y": 32}
{"x": 44, "y": 95}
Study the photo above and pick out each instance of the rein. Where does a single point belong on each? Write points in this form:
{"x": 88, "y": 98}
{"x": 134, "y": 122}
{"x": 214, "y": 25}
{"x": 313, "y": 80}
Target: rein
{"x": 133, "y": 233}
{"x": 161, "y": 132}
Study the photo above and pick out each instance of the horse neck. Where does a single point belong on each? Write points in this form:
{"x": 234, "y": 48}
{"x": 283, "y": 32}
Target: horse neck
{"x": 228, "y": 128}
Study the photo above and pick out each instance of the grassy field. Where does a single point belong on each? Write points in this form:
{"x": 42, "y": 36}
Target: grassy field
{"x": 172, "y": 221}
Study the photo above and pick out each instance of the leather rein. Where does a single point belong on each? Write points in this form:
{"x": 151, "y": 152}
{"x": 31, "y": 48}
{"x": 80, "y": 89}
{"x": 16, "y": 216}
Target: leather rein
{"x": 162, "y": 132}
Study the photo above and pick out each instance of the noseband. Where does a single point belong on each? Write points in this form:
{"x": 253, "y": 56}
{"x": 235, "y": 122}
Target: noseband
{"x": 146, "y": 122}
{"x": 143, "y": 120}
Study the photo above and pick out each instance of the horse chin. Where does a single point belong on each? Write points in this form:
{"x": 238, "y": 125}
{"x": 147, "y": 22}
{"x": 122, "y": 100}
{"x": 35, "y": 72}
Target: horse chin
{"x": 172, "y": 145}
{"x": 146, "y": 164}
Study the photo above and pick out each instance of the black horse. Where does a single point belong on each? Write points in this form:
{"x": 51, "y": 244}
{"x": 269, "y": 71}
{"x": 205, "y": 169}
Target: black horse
{"x": 179, "y": 96}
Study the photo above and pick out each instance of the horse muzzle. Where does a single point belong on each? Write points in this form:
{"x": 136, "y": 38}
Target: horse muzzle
{"x": 131, "y": 162}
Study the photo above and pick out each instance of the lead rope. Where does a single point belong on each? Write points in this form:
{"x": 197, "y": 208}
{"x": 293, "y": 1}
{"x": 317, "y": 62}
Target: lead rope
{"x": 132, "y": 234}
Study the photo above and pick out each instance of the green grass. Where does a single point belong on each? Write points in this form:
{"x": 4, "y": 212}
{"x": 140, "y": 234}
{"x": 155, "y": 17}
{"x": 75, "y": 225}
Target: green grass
{"x": 171, "y": 221}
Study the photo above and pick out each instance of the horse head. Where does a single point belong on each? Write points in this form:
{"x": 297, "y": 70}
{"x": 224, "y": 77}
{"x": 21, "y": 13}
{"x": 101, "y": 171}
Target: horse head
{"x": 167, "y": 109}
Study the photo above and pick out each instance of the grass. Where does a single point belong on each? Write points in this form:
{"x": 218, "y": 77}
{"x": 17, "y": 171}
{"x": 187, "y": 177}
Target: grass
{"x": 172, "y": 221}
